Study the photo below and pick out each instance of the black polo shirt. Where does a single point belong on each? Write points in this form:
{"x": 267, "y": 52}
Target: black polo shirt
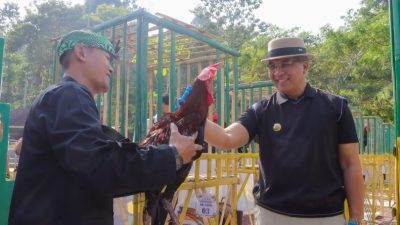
{"x": 300, "y": 174}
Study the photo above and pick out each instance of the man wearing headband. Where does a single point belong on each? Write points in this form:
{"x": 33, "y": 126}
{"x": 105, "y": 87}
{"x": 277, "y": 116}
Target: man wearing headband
{"x": 70, "y": 167}
{"x": 308, "y": 146}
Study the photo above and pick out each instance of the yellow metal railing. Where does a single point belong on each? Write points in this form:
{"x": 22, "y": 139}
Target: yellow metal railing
{"x": 230, "y": 176}
{"x": 379, "y": 179}
{"x": 236, "y": 172}
{"x": 226, "y": 176}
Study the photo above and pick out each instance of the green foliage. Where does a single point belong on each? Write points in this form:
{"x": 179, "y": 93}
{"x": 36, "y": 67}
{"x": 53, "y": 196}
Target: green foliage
{"x": 352, "y": 61}
{"x": 9, "y": 15}
{"x": 105, "y": 12}
{"x": 231, "y": 21}
{"x": 92, "y": 5}
{"x": 30, "y": 38}
{"x": 15, "y": 85}
{"x": 29, "y": 45}
{"x": 251, "y": 54}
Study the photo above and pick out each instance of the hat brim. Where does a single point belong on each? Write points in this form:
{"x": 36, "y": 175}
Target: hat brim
{"x": 309, "y": 56}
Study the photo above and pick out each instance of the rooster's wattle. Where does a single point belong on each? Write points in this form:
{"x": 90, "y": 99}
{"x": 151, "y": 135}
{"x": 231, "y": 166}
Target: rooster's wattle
{"x": 189, "y": 118}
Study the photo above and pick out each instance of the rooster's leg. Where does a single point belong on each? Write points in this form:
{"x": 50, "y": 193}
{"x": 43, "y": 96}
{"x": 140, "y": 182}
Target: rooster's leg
{"x": 150, "y": 208}
{"x": 168, "y": 206}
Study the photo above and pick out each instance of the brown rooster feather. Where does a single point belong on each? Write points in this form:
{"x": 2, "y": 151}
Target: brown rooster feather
{"x": 189, "y": 118}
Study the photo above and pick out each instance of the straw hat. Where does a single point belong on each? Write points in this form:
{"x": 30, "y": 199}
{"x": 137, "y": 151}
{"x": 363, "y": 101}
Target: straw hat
{"x": 286, "y": 47}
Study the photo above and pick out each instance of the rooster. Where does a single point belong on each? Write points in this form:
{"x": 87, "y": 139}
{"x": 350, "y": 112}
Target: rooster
{"x": 190, "y": 117}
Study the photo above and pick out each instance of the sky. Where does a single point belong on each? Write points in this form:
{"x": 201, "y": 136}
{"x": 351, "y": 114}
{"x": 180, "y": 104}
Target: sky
{"x": 309, "y": 15}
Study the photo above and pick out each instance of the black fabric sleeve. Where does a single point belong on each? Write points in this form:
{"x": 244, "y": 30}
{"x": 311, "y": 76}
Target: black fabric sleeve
{"x": 82, "y": 149}
{"x": 249, "y": 120}
{"x": 346, "y": 127}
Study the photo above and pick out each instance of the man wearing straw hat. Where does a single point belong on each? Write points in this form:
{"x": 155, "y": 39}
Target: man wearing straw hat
{"x": 71, "y": 167}
{"x": 308, "y": 146}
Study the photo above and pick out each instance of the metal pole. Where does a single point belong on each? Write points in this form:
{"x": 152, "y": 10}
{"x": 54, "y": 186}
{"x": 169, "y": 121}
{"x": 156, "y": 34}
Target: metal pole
{"x": 235, "y": 84}
{"x": 1, "y": 59}
{"x": 394, "y": 17}
{"x": 110, "y": 89}
{"x": 160, "y": 71}
{"x": 182, "y": 30}
{"x": 144, "y": 33}
{"x": 250, "y": 104}
{"x": 1, "y": 63}
{"x": 123, "y": 81}
{"x": 138, "y": 99}
{"x": 260, "y": 84}
{"x": 243, "y": 102}
{"x": 6, "y": 185}
{"x": 172, "y": 78}
{"x": 53, "y": 65}
{"x": 99, "y": 95}
{"x": 227, "y": 97}
{"x": 119, "y": 20}
{"x": 395, "y": 38}
{"x": 219, "y": 96}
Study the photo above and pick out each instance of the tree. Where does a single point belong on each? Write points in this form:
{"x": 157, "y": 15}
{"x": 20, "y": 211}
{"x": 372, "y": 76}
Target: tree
{"x": 9, "y": 15}
{"x": 231, "y": 21}
{"x": 354, "y": 60}
{"x": 30, "y": 39}
{"x": 30, "y": 42}
{"x": 91, "y": 5}
{"x": 104, "y": 13}
{"x": 130, "y": 4}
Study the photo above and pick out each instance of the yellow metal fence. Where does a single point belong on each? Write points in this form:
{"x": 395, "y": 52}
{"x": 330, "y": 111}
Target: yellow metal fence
{"x": 229, "y": 177}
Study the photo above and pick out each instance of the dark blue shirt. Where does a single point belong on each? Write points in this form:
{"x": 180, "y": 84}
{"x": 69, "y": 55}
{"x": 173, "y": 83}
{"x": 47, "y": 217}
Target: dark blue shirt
{"x": 69, "y": 170}
{"x": 300, "y": 174}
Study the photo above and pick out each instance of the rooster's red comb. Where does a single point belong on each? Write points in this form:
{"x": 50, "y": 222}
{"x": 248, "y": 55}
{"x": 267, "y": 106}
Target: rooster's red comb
{"x": 208, "y": 73}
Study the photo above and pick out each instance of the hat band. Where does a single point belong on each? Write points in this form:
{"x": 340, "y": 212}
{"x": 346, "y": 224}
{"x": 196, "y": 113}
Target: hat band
{"x": 287, "y": 51}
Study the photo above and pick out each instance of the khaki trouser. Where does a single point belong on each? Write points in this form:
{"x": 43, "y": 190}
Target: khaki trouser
{"x": 266, "y": 217}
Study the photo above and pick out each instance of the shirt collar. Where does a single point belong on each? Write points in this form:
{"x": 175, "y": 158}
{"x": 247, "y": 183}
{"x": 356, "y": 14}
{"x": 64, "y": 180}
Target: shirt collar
{"x": 68, "y": 78}
{"x": 308, "y": 92}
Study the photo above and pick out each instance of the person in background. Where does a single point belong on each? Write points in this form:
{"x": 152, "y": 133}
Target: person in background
{"x": 8, "y": 172}
{"x": 165, "y": 103}
{"x": 365, "y": 138}
{"x": 18, "y": 147}
{"x": 165, "y": 107}
{"x": 71, "y": 167}
{"x": 308, "y": 145}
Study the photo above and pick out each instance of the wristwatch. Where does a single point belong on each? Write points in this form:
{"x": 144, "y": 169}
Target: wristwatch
{"x": 357, "y": 222}
{"x": 178, "y": 158}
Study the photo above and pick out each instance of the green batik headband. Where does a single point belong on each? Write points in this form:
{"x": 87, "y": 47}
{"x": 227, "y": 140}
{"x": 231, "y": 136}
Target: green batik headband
{"x": 87, "y": 39}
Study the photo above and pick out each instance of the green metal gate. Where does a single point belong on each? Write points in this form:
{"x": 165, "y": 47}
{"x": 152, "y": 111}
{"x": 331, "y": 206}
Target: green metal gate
{"x": 6, "y": 185}
{"x": 159, "y": 55}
